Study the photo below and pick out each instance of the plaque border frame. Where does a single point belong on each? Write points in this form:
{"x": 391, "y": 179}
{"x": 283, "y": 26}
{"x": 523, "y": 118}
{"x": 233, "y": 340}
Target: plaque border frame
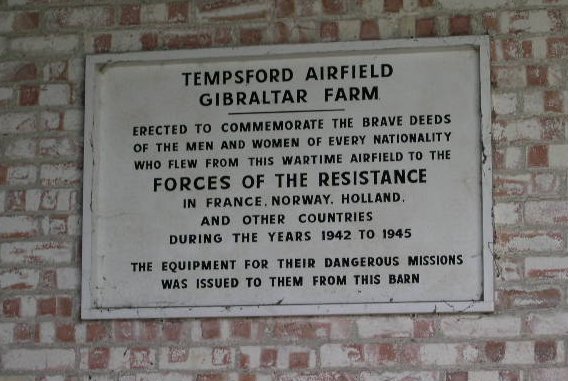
{"x": 485, "y": 304}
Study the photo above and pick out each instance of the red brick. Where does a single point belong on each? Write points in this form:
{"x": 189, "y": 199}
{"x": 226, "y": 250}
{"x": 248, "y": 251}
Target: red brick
{"x": 510, "y": 186}
{"x": 26, "y": 72}
{"x": 244, "y": 361}
{"x": 241, "y": 329}
{"x": 386, "y": 354}
{"x": 393, "y": 5}
{"x": 333, "y": 7}
{"x": 553, "y": 101}
{"x": 49, "y": 279}
{"x": 141, "y": 358}
{"x": 64, "y": 306}
{"x": 491, "y": 22}
{"x": 495, "y": 351}
{"x": 102, "y": 43}
{"x": 426, "y": 27}
{"x": 178, "y": 12}
{"x": 251, "y": 36}
{"x": 355, "y": 352}
{"x": 424, "y": 328}
{"x": 172, "y": 330}
{"x": 281, "y": 33}
{"x": 29, "y": 95}
{"x": 11, "y": 307}
{"x": 268, "y": 357}
{"x": 509, "y": 375}
{"x": 65, "y": 333}
{"x": 25, "y": 21}
{"x": 189, "y": 41}
{"x": 527, "y": 49}
{"x": 98, "y": 358}
{"x": 150, "y": 331}
{"x": 47, "y": 306}
{"x": 329, "y": 31}
{"x": 221, "y": 356}
{"x": 177, "y": 354}
{"x": 557, "y": 47}
{"x": 97, "y": 332}
{"x": 544, "y": 351}
{"x": 299, "y": 360}
{"x": 538, "y": 156}
{"x": 547, "y": 298}
{"x": 369, "y": 30}
{"x": 285, "y": 8}
{"x": 425, "y": 3}
{"x": 16, "y": 201}
{"x": 537, "y": 75}
{"x": 210, "y": 329}
{"x": 460, "y": 25}
{"x": 130, "y": 14}
{"x": 26, "y": 333}
{"x": 223, "y": 36}
{"x": 149, "y": 41}
{"x": 302, "y": 330}
{"x": 247, "y": 377}
{"x": 123, "y": 330}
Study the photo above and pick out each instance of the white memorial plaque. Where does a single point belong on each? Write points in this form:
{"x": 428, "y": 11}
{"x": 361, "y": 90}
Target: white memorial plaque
{"x": 289, "y": 180}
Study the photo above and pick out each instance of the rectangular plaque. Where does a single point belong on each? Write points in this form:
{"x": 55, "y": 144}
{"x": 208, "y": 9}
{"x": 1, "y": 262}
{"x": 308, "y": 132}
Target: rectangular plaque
{"x": 338, "y": 178}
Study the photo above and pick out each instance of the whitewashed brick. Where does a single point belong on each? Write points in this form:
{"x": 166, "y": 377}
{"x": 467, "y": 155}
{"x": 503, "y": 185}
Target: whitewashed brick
{"x": 67, "y": 278}
{"x": 484, "y": 375}
{"x": 6, "y": 333}
{"x": 519, "y": 352}
{"x": 2, "y": 201}
{"x": 22, "y": 175}
{"x": 44, "y": 44}
{"x": 508, "y": 270}
{"x": 38, "y": 359}
{"x": 507, "y": 213}
{"x": 448, "y": 354}
{"x": 338, "y": 355}
{"x": 534, "y": 102}
{"x": 20, "y": 278}
{"x": 385, "y": 327}
{"x": 555, "y": 77}
{"x": 73, "y": 120}
{"x": 6, "y": 21}
{"x": 504, "y": 104}
{"x": 6, "y": 94}
{"x": 555, "y": 267}
{"x": 478, "y": 4}
{"x": 554, "y": 323}
{"x": 17, "y": 123}
{"x": 527, "y": 21}
{"x": 47, "y": 332}
{"x": 55, "y": 95}
{"x": 549, "y": 374}
{"x": 28, "y": 306}
{"x": 196, "y": 358}
{"x": 21, "y": 149}
{"x": 558, "y": 155}
{"x": 153, "y": 13}
{"x": 481, "y": 326}
{"x": 60, "y": 174}
{"x": 33, "y": 252}
{"x": 400, "y": 376}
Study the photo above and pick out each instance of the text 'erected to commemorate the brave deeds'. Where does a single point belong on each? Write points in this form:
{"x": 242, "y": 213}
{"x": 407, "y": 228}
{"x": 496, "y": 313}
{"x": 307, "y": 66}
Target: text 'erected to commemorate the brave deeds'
{"x": 322, "y": 179}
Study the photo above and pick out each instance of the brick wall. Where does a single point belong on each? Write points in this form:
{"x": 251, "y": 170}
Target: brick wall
{"x": 42, "y": 48}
